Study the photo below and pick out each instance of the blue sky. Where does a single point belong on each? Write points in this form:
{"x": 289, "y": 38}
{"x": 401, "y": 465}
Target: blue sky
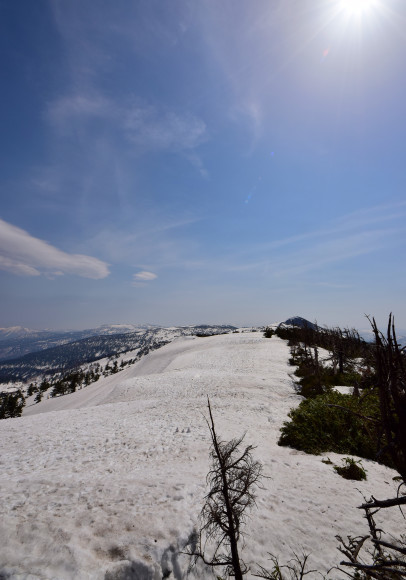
{"x": 178, "y": 162}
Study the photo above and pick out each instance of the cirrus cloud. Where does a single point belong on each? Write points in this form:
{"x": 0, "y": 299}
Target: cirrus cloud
{"x": 149, "y": 129}
{"x": 25, "y": 255}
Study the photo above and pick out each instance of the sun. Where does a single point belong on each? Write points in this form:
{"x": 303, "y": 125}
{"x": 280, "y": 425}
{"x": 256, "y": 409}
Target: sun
{"x": 357, "y": 7}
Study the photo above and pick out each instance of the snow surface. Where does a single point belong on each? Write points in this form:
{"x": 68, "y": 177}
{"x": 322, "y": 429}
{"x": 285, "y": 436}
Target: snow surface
{"x": 344, "y": 390}
{"x": 107, "y": 483}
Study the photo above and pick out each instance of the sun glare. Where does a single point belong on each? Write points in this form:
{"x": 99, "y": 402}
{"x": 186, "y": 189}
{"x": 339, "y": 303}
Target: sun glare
{"x": 357, "y": 7}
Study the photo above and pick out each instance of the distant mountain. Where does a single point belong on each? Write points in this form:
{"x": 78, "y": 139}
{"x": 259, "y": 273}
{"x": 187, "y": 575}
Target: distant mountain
{"x": 16, "y": 332}
{"x": 74, "y": 353}
{"x": 299, "y": 321}
{"x": 368, "y": 335}
{"x": 17, "y": 341}
{"x": 106, "y": 329}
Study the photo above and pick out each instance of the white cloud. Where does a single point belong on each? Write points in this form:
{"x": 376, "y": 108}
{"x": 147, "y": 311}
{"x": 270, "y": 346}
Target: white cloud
{"x": 21, "y": 253}
{"x": 144, "y": 276}
{"x": 147, "y": 127}
{"x": 17, "y": 268}
{"x": 150, "y": 129}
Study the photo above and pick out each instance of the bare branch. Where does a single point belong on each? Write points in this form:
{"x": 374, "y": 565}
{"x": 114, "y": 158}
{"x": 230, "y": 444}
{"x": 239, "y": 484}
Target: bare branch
{"x": 386, "y": 503}
{"x": 353, "y": 412}
{"x": 389, "y": 545}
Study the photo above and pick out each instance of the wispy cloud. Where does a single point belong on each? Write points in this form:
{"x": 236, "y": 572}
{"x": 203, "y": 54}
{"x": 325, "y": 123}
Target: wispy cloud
{"x": 61, "y": 111}
{"x": 146, "y": 127}
{"x": 326, "y": 252}
{"x": 359, "y": 221}
{"x": 25, "y": 255}
{"x": 376, "y": 214}
{"x": 367, "y": 231}
{"x": 154, "y": 239}
{"x": 150, "y": 129}
{"x": 144, "y": 276}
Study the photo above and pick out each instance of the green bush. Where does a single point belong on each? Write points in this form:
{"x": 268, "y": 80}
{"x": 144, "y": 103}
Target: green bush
{"x": 312, "y": 386}
{"x": 316, "y": 427}
{"x": 351, "y": 469}
{"x": 315, "y": 382}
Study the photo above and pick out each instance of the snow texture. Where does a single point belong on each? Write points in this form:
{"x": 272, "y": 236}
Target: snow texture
{"x": 107, "y": 483}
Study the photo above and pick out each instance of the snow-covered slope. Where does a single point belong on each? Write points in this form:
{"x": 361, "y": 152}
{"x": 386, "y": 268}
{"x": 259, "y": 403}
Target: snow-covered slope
{"x": 107, "y": 483}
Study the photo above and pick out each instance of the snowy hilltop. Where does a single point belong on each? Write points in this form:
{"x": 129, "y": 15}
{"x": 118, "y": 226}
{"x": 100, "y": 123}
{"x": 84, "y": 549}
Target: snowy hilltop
{"x": 107, "y": 482}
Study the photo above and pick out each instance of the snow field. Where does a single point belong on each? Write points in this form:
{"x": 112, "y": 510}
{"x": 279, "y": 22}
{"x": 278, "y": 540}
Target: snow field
{"x": 107, "y": 483}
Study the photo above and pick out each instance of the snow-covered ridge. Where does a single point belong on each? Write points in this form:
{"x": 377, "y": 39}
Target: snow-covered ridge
{"x": 17, "y": 341}
{"x": 108, "y": 482}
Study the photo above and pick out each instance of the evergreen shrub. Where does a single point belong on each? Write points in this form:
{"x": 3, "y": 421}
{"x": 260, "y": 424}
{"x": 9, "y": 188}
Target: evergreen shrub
{"x": 337, "y": 423}
{"x": 351, "y": 469}
{"x": 11, "y": 404}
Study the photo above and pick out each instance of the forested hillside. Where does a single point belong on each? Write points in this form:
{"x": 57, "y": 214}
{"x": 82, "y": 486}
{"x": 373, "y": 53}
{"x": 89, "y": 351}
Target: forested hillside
{"x": 68, "y": 356}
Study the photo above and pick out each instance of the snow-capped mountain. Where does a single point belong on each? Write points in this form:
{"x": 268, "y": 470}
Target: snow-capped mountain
{"x": 18, "y": 332}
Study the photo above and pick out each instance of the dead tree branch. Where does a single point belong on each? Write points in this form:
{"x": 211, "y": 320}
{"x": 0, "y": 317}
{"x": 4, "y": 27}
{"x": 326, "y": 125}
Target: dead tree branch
{"x": 231, "y": 480}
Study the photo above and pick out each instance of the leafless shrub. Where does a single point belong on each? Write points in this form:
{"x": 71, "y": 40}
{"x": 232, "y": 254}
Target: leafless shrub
{"x": 232, "y": 479}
